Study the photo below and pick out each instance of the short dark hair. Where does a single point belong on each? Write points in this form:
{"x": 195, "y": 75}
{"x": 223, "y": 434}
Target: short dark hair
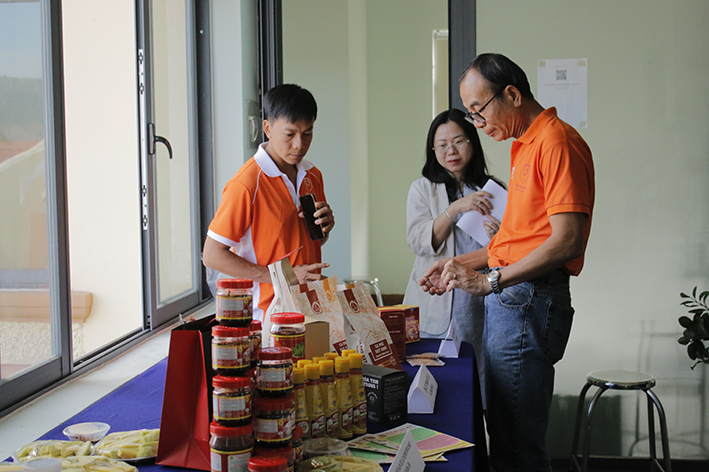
{"x": 475, "y": 174}
{"x": 500, "y": 72}
{"x": 291, "y": 102}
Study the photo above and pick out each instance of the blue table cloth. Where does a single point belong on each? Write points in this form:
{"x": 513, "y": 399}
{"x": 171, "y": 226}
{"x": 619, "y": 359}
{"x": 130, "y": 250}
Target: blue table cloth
{"x": 137, "y": 404}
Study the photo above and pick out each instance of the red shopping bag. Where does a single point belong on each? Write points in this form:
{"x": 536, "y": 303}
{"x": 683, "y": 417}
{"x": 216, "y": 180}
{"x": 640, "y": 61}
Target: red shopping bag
{"x": 184, "y": 426}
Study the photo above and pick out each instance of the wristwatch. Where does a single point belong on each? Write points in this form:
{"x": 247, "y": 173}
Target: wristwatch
{"x": 493, "y": 276}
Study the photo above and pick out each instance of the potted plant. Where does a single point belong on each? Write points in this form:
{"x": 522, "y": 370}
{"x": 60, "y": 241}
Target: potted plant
{"x": 696, "y": 328}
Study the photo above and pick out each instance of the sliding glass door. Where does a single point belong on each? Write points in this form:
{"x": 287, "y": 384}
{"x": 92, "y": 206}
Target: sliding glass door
{"x": 34, "y": 289}
{"x": 168, "y": 147}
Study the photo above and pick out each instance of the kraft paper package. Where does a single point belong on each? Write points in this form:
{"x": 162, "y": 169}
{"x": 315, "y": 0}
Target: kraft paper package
{"x": 318, "y": 300}
{"x": 284, "y": 280}
{"x": 364, "y": 330}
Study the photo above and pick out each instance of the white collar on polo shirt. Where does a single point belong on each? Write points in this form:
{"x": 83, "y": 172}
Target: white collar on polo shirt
{"x": 265, "y": 162}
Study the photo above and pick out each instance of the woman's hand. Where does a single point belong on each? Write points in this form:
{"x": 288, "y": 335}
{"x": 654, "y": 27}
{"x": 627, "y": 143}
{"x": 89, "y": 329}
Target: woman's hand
{"x": 492, "y": 226}
{"x": 476, "y": 201}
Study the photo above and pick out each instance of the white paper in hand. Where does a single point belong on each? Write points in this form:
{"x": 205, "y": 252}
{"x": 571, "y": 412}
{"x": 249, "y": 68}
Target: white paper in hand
{"x": 408, "y": 457}
{"x": 422, "y": 393}
{"x": 472, "y": 221}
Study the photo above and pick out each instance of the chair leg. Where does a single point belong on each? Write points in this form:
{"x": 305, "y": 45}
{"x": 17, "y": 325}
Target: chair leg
{"x": 587, "y": 434}
{"x": 574, "y": 465}
{"x": 651, "y": 431}
{"x": 663, "y": 429}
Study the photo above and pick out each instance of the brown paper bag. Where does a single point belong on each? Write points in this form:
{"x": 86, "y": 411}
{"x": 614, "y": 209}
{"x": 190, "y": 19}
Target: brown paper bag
{"x": 318, "y": 301}
{"x": 364, "y": 330}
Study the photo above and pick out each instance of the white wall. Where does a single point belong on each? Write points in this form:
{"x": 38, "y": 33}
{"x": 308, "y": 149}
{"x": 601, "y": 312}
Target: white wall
{"x": 316, "y": 57}
{"x": 647, "y": 68}
{"x": 647, "y": 97}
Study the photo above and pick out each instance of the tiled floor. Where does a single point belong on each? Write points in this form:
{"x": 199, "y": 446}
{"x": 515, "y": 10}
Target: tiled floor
{"x": 36, "y": 418}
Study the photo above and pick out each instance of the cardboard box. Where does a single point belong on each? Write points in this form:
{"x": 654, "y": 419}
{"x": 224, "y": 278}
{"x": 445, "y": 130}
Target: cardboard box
{"x": 412, "y": 323}
{"x": 394, "y": 318}
{"x": 386, "y": 391}
{"x": 317, "y": 337}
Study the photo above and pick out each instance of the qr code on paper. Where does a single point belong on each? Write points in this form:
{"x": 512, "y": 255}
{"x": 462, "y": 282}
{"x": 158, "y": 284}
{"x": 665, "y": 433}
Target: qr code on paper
{"x": 561, "y": 74}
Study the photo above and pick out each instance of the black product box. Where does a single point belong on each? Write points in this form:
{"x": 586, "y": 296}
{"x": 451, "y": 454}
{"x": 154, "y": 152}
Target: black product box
{"x": 386, "y": 391}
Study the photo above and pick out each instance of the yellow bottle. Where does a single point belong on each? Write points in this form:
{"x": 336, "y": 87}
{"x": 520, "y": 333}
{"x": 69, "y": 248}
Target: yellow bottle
{"x": 301, "y": 404}
{"x": 344, "y": 397}
{"x": 359, "y": 399}
{"x": 331, "y": 355}
{"x": 317, "y": 359}
{"x": 347, "y": 352}
{"x": 314, "y": 400}
{"x": 329, "y": 397}
{"x": 303, "y": 362}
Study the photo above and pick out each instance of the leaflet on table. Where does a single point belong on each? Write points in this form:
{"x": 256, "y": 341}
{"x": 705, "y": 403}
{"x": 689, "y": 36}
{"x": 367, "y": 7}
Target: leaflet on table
{"x": 408, "y": 458}
{"x": 472, "y": 222}
{"x": 428, "y": 441}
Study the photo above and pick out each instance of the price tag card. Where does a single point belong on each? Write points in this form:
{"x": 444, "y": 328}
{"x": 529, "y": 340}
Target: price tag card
{"x": 408, "y": 458}
{"x": 422, "y": 393}
{"x": 450, "y": 346}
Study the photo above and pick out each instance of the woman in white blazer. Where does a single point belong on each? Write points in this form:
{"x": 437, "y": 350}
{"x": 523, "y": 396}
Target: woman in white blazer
{"x": 453, "y": 174}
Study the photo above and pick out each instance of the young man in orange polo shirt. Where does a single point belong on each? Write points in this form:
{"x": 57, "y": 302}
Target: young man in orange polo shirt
{"x": 259, "y": 219}
{"x": 540, "y": 243}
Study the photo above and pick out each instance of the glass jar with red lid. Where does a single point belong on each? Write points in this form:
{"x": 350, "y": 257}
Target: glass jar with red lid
{"x": 273, "y": 421}
{"x": 231, "y": 348}
{"x": 255, "y": 337}
{"x": 231, "y": 400}
{"x": 268, "y": 464}
{"x": 230, "y": 448}
{"x": 274, "y": 374}
{"x": 235, "y": 302}
{"x": 288, "y": 330}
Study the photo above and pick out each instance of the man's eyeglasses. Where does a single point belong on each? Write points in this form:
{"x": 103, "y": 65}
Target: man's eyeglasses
{"x": 458, "y": 144}
{"x": 474, "y": 116}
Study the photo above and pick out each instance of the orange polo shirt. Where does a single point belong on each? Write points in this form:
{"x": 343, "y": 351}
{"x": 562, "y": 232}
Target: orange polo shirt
{"x": 258, "y": 218}
{"x": 552, "y": 172}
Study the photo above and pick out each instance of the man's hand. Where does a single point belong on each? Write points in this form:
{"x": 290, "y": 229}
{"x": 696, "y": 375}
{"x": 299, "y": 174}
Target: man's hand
{"x": 323, "y": 216}
{"x": 306, "y": 272}
{"x": 456, "y": 275}
{"x": 432, "y": 281}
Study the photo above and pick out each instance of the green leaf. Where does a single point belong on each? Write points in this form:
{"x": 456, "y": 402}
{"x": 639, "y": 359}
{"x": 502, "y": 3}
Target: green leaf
{"x": 698, "y": 311}
{"x": 692, "y": 351}
{"x": 704, "y": 296}
{"x": 685, "y": 321}
{"x": 683, "y": 340}
{"x": 694, "y": 292}
{"x": 683, "y": 295}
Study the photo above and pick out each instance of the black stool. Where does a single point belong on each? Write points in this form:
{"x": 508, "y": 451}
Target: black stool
{"x": 620, "y": 380}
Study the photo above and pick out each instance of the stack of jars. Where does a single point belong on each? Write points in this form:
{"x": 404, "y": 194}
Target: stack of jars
{"x": 233, "y": 347}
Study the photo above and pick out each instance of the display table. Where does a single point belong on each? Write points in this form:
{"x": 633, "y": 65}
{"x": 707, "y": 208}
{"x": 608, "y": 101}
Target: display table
{"x": 137, "y": 404}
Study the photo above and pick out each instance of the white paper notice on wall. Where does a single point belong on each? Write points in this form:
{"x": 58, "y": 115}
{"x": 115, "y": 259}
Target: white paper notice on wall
{"x": 422, "y": 393}
{"x": 563, "y": 83}
{"x": 408, "y": 457}
{"x": 450, "y": 346}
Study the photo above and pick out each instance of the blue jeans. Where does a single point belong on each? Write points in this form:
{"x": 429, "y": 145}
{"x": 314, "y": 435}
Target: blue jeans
{"x": 527, "y": 327}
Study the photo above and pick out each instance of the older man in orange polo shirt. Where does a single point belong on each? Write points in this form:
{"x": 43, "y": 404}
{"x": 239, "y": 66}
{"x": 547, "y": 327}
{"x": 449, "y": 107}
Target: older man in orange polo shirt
{"x": 524, "y": 271}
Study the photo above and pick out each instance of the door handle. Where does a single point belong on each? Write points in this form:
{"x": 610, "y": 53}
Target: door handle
{"x": 154, "y": 138}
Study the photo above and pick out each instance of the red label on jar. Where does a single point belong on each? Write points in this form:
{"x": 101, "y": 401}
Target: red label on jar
{"x": 223, "y": 461}
{"x": 237, "y": 308}
{"x": 267, "y": 430}
{"x": 294, "y": 341}
{"x": 227, "y": 407}
{"x": 231, "y": 356}
{"x": 275, "y": 378}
